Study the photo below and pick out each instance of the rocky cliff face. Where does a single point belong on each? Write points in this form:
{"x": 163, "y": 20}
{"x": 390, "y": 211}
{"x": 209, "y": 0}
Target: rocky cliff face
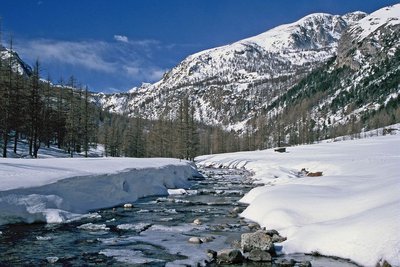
{"x": 370, "y": 39}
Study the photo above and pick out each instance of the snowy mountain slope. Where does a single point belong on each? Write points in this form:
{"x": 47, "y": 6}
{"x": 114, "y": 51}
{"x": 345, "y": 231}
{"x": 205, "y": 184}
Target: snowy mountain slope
{"x": 370, "y": 49}
{"x": 376, "y": 36}
{"x": 309, "y": 40}
{"x": 229, "y": 84}
{"x": 18, "y": 65}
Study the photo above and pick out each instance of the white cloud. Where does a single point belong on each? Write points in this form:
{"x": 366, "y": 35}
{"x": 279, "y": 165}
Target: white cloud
{"x": 155, "y": 74}
{"x": 114, "y": 62}
{"x": 121, "y": 38}
{"x": 84, "y": 54}
{"x": 132, "y": 70}
{"x": 144, "y": 73}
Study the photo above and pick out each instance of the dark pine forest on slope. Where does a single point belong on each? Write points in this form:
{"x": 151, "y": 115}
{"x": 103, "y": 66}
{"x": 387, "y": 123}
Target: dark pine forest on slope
{"x": 353, "y": 90}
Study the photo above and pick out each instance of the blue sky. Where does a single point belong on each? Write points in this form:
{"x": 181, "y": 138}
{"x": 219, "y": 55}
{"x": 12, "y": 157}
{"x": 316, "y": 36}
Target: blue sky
{"x": 116, "y": 45}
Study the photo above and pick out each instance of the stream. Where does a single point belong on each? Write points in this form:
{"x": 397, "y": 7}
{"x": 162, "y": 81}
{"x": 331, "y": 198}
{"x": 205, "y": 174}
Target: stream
{"x": 155, "y": 231}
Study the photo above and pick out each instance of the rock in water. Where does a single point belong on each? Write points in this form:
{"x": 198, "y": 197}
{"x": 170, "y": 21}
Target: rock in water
{"x": 259, "y": 255}
{"x": 236, "y": 210}
{"x": 286, "y": 263}
{"x": 278, "y": 239}
{"x": 271, "y": 232}
{"x": 211, "y": 254}
{"x": 229, "y": 256}
{"x": 197, "y": 222}
{"x": 258, "y": 240}
{"x": 195, "y": 240}
{"x": 207, "y": 239}
{"x": 254, "y": 226}
{"x": 305, "y": 264}
{"x": 52, "y": 259}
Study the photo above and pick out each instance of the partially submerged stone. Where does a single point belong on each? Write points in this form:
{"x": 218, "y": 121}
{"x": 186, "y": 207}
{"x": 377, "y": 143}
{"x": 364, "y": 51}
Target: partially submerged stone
{"x": 195, "y": 240}
{"x": 257, "y": 240}
{"x": 128, "y": 205}
{"x": 197, "y": 222}
{"x": 229, "y": 256}
{"x": 259, "y": 256}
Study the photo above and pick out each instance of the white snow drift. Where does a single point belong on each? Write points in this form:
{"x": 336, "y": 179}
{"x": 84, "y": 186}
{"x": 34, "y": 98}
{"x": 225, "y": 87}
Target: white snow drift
{"x": 352, "y": 211}
{"x": 57, "y": 190}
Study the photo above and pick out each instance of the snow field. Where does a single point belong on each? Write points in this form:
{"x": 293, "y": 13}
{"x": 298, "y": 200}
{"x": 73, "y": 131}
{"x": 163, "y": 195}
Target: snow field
{"x": 352, "y": 211}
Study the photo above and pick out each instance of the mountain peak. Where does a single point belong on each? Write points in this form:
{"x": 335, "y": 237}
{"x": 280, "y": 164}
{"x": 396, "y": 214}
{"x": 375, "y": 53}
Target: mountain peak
{"x": 18, "y": 65}
{"x": 354, "y": 17}
{"x": 294, "y": 35}
{"x": 385, "y": 16}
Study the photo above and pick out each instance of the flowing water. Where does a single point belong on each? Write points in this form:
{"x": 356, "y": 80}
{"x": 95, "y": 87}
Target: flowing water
{"x": 154, "y": 232}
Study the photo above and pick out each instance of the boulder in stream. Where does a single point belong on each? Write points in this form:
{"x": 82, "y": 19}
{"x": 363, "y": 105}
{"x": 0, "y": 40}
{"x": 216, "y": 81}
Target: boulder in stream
{"x": 197, "y": 222}
{"x": 207, "y": 239}
{"x": 257, "y": 240}
{"x": 229, "y": 256}
{"x": 195, "y": 240}
{"x": 259, "y": 256}
{"x": 212, "y": 254}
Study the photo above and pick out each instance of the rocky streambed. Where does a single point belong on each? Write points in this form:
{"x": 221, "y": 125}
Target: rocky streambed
{"x": 200, "y": 226}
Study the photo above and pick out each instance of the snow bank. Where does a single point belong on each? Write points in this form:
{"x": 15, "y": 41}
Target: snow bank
{"x": 58, "y": 190}
{"x": 352, "y": 211}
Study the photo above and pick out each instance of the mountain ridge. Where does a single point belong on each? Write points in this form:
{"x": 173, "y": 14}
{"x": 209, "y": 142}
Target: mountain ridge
{"x": 18, "y": 65}
{"x": 244, "y": 76}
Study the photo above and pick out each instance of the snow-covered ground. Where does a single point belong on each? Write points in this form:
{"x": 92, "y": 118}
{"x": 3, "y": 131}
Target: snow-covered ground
{"x": 60, "y": 189}
{"x": 352, "y": 211}
{"x": 50, "y": 152}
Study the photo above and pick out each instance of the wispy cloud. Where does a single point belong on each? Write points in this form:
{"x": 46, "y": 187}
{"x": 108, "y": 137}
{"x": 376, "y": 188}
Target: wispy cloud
{"x": 125, "y": 59}
{"x": 84, "y": 54}
{"x": 151, "y": 73}
{"x": 121, "y": 38}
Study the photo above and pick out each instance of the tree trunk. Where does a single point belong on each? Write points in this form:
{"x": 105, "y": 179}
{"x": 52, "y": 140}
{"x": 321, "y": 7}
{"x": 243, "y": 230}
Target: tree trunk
{"x": 35, "y": 145}
{"x": 30, "y": 146}
{"x": 15, "y": 141}
{"x": 5, "y": 142}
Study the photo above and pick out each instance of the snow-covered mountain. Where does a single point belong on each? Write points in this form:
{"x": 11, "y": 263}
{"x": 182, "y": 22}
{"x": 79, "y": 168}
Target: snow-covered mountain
{"x": 18, "y": 65}
{"x": 320, "y": 77}
{"x": 229, "y": 84}
{"x": 370, "y": 48}
{"x": 372, "y": 37}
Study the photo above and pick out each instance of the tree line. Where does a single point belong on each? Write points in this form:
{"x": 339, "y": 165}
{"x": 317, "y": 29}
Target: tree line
{"x": 42, "y": 114}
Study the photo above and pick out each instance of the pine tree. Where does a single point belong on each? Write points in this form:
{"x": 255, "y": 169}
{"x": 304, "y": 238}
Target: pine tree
{"x": 35, "y": 106}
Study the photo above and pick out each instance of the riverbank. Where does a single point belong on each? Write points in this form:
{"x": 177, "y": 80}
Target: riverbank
{"x": 60, "y": 189}
{"x": 351, "y": 211}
